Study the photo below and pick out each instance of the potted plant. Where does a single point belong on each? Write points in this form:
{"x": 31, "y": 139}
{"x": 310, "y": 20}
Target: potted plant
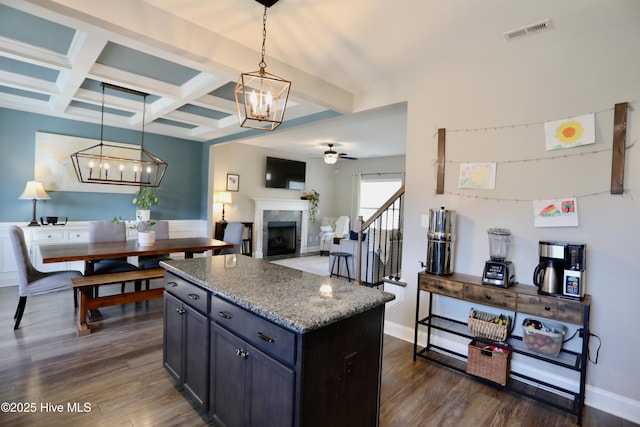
{"x": 143, "y": 200}
{"x": 314, "y": 198}
{"x": 146, "y": 236}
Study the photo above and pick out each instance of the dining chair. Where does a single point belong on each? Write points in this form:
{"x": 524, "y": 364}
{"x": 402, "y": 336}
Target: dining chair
{"x": 152, "y": 261}
{"x": 32, "y": 281}
{"x": 110, "y": 231}
{"x": 233, "y": 234}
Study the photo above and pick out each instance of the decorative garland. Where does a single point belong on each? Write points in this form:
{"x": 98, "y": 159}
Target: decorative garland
{"x": 519, "y": 125}
{"x": 626, "y": 193}
{"x": 537, "y": 159}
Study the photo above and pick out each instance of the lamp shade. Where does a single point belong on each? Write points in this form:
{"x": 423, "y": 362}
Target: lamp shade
{"x": 222, "y": 197}
{"x": 34, "y": 191}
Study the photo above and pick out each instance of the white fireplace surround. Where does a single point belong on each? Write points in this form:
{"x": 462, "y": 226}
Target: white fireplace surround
{"x": 279, "y": 205}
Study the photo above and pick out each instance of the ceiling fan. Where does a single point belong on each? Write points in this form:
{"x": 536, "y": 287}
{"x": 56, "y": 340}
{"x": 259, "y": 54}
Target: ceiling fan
{"x": 331, "y": 156}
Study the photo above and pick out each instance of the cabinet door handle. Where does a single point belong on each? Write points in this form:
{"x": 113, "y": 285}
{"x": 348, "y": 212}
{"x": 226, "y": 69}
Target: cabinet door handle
{"x": 193, "y": 297}
{"x": 266, "y": 338}
{"x": 180, "y": 310}
{"x": 224, "y": 315}
{"x": 440, "y": 287}
{"x": 172, "y": 284}
{"x": 487, "y": 296}
{"x": 546, "y": 307}
{"x": 242, "y": 353}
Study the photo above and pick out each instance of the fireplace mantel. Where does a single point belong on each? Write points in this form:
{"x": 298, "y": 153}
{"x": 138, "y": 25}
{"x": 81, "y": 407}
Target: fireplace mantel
{"x": 262, "y": 205}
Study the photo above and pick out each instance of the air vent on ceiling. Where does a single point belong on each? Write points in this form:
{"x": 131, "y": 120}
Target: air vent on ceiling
{"x": 529, "y": 29}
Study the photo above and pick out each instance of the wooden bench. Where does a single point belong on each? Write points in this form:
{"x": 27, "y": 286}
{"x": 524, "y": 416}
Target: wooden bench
{"x": 88, "y": 301}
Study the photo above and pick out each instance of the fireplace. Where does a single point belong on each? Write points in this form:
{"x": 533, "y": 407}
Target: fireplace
{"x": 281, "y": 237}
{"x": 268, "y": 210}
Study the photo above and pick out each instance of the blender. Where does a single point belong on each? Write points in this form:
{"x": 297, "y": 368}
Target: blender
{"x": 498, "y": 271}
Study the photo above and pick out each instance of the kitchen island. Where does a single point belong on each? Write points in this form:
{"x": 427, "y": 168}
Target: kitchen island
{"x": 259, "y": 344}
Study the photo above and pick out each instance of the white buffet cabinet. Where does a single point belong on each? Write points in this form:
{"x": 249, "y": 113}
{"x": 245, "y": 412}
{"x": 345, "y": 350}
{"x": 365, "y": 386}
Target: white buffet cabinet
{"x": 73, "y": 232}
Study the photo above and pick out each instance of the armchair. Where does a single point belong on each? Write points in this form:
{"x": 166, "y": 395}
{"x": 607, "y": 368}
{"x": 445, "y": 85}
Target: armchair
{"x": 331, "y": 229}
{"x": 326, "y": 239}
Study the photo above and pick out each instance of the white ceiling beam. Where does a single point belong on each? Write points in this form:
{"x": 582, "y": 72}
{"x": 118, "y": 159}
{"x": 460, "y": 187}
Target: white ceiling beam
{"x": 83, "y": 52}
{"x": 30, "y": 84}
{"x": 193, "y": 89}
{"x": 140, "y": 21}
{"x": 34, "y": 55}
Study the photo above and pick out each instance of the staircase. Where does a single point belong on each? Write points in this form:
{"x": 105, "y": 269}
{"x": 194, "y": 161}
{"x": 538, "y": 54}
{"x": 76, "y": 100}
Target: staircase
{"x": 379, "y": 253}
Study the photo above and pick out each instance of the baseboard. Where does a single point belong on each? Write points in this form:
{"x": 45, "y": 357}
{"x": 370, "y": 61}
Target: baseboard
{"x": 595, "y": 397}
{"x": 8, "y": 279}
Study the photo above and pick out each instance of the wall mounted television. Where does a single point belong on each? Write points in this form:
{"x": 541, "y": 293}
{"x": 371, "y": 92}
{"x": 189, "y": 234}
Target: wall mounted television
{"x": 284, "y": 173}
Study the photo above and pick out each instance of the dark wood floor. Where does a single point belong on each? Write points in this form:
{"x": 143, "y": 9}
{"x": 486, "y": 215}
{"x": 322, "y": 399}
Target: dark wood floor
{"x": 117, "y": 371}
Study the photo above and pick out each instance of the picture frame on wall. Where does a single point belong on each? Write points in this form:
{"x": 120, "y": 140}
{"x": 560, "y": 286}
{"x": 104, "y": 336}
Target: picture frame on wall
{"x": 233, "y": 182}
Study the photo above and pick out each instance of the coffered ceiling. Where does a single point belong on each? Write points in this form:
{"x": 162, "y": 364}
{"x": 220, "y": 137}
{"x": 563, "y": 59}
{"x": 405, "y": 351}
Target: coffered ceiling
{"x": 188, "y": 54}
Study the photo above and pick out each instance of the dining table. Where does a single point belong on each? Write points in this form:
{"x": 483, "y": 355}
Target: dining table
{"x": 91, "y": 252}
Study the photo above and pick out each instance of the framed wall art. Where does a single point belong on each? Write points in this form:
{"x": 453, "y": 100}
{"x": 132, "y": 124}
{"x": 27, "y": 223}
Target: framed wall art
{"x": 233, "y": 182}
{"x": 54, "y": 169}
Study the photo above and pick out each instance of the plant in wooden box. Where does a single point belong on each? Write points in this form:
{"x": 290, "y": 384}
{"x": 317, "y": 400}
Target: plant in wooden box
{"x": 143, "y": 200}
{"x": 314, "y": 198}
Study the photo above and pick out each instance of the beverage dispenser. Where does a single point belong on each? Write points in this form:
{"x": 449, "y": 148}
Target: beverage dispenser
{"x": 441, "y": 237}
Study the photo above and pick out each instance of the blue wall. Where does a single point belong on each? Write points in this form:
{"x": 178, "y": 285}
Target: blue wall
{"x": 182, "y": 194}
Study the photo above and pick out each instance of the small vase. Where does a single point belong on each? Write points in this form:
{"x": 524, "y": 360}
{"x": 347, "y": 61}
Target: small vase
{"x": 143, "y": 214}
{"x": 146, "y": 238}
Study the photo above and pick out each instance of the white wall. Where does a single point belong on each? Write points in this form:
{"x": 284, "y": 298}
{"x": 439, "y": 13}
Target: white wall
{"x": 529, "y": 90}
{"x": 249, "y": 162}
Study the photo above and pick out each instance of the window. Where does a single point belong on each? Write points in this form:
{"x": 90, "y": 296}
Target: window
{"x": 375, "y": 190}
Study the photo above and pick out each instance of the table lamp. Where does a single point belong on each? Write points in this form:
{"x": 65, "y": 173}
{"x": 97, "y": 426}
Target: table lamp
{"x": 222, "y": 197}
{"x": 34, "y": 191}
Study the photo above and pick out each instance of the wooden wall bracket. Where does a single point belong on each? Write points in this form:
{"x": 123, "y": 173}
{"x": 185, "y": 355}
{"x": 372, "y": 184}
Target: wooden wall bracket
{"x": 440, "y": 164}
{"x": 619, "y": 147}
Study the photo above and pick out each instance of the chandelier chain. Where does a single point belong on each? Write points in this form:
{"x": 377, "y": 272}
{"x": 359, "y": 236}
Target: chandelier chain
{"x": 263, "y": 64}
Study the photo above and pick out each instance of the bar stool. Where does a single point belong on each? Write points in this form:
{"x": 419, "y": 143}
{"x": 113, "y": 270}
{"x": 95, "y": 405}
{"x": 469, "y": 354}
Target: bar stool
{"x": 337, "y": 256}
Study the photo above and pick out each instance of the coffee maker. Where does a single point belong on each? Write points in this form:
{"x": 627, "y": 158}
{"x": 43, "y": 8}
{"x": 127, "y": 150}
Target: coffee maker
{"x": 498, "y": 271}
{"x": 560, "y": 270}
{"x": 573, "y": 281}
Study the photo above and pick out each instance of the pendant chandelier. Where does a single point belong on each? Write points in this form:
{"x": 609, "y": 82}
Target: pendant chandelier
{"x": 106, "y": 163}
{"x": 261, "y": 98}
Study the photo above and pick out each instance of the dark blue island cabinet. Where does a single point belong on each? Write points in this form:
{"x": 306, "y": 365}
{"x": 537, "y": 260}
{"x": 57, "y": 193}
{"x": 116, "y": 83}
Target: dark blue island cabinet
{"x": 244, "y": 369}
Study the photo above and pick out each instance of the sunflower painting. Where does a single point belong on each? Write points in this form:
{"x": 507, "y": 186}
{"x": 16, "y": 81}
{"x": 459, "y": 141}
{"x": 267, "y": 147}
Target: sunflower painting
{"x": 477, "y": 175}
{"x": 573, "y": 132}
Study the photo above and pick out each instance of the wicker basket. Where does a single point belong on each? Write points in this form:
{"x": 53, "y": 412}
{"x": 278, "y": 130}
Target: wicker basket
{"x": 480, "y": 325}
{"x": 486, "y": 363}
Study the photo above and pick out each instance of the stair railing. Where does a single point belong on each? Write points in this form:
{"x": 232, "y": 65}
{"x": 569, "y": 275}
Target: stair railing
{"x": 383, "y": 240}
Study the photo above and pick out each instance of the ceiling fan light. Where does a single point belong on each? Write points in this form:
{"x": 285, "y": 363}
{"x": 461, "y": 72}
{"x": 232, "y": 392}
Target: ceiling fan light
{"x": 330, "y": 158}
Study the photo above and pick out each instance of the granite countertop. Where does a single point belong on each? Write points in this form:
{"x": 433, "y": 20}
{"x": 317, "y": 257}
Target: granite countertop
{"x": 295, "y": 300}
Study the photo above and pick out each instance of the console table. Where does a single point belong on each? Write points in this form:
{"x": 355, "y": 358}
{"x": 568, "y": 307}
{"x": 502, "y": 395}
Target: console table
{"x": 516, "y": 299}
